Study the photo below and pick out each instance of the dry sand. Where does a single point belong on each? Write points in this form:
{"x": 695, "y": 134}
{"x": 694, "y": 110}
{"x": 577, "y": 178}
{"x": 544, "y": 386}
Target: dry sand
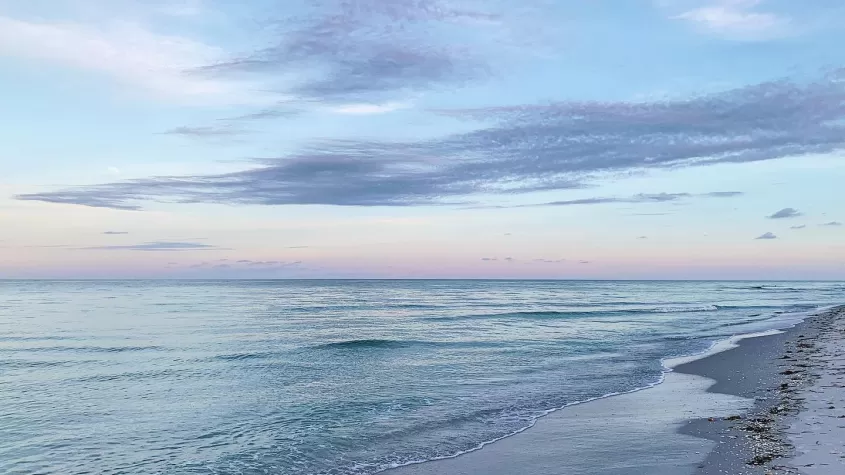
{"x": 818, "y": 432}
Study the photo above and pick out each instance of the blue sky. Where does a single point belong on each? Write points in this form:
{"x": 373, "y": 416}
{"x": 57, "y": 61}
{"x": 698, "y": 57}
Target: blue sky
{"x": 422, "y": 138}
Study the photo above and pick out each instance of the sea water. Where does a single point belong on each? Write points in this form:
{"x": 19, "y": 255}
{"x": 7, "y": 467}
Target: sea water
{"x": 334, "y": 377}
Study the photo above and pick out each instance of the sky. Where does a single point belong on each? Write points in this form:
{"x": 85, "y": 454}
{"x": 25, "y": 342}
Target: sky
{"x": 547, "y": 139}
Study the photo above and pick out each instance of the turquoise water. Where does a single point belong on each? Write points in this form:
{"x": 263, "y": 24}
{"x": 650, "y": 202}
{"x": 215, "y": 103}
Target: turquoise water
{"x": 333, "y": 377}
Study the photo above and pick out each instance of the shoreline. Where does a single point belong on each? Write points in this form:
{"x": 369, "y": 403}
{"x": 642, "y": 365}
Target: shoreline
{"x": 777, "y": 372}
{"x": 743, "y": 395}
{"x": 750, "y": 442}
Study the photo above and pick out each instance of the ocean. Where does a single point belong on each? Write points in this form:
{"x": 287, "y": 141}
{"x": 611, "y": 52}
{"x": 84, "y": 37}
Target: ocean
{"x": 335, "y": 377}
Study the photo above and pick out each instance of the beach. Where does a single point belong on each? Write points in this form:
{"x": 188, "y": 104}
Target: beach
{"x": 773, "y": 403}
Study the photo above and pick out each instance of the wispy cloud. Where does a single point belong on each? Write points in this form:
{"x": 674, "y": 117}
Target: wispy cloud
{"x": 832, "y": 223}
{"x": 278, "y": 113}
{"x": 246, "y": 265}
{"x": 737, "y": 19}
{"x": 639, "y": 198}
{"x": 723, "y": 194}
{"x": 521, "y": 149}
{"x": 342, "y": 51}
{"x": 115, "y": 233}
{"x": 800, "y": 226}
{"x": 768, "y": 235}
{"x": 159, "y": 246}
{"x": 368, "y": 109}
{"x": 785, "y": 213}
{"x": 124, "y": 51}
{"x": 204, "y": 132}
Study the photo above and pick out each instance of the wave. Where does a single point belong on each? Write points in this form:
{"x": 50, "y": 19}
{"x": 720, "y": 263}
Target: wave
{"x": 371, "y": 343}
{"x": 531, "y": 422}
{"x": 561, "y": 314}
{"x": 87, "y": 349}
{"x": 245, "y": 356}
{"x": 775, "y": 288}
{"x": 691, "y": 308}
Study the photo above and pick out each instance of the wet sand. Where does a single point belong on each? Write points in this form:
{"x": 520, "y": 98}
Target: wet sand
{"x": 792, "y": 378}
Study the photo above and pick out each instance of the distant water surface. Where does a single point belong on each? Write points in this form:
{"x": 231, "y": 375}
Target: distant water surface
{"x": 333, "y": 377}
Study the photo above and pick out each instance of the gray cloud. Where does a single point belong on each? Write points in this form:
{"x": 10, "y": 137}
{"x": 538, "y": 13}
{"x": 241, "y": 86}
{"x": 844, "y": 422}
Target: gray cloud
{"x": 555, "y": 146}
{"x": 115, "y": 233}
{"x": 723, "y": 194}
{"x": 642, "y": 237}
{"x": 832, "y": 223}
{"x": 204, "y": 132}
{"x": 265, "y": 114}
{"x": 489, "y": 259}
{"x": 246, "y": 265}
{"x": 766, "y": 236}
{"x": 639, "y": 198}
{"x": 366, "y": 49}
{"x": 159, "y": 246}
{"x": 785, "y": 213}
{"x": 550, "y": 261}
{"x": 800, "y": 226}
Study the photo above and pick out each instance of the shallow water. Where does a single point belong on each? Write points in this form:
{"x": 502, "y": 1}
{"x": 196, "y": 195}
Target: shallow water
{"x": 333, "y": 377}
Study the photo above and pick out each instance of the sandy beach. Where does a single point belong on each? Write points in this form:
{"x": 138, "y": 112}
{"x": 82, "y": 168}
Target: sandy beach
{"x": 772, "y": 404}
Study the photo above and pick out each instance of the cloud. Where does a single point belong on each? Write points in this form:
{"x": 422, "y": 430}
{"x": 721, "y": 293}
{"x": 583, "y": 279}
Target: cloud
{"x": 247, "y": 265}
{"x": 115, "y": 233}
{"x": 785, "y": 213}
{"x": 340, "y": 50}
{"x": 736, "y": 19}
{"x": 124, "y": 51}
{"x": 368, "y": 109}
{"x": 550, "y": 261}
{"x": 510, "y": 259}
{"x": 489, "y": 259}
{"x": 832, "y": 223}
{"x": 642, "y": 237}
{"x": 520, "y": 149}
{"x": 158, "y": 246}
{"x": 723, "y": 194}
{"x": 800, "y": 226}
{"x": 639, "y": 198}
{"x": 201, "y": 132}
{"x": 279, "y": 113}
{"x": 768, "y": 235}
